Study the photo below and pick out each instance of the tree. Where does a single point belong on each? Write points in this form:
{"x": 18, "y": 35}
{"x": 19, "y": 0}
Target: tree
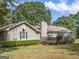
{"x": 66, "y": 21}
{"x": 77, "y": 24}
{"x": 71, "y": 22}
{"x": 32, "y": 12}
{"x": 3, "y": 13}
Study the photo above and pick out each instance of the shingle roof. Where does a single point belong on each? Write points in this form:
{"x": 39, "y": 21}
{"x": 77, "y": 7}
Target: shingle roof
{"x": 9, "y": 27}
{"x": 52, "y": 28}
{"x": 57, "y": 29}
{"x": 36, "y": 28}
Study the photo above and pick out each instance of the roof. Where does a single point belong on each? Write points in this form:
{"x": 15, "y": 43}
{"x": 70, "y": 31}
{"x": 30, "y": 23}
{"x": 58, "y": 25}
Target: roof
{"x": 36, "y": 28}
{"x": 57, "y": 29}
{"x": 11, "y": 26}
{"x": 52, "y": 28}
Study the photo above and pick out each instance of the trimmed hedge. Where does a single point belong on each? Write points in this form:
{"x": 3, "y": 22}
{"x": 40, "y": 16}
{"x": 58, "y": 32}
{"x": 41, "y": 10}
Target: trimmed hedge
{"x": 19, "y": 43}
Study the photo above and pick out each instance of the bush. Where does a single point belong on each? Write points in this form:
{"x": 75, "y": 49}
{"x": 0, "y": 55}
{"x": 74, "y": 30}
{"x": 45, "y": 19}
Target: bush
{"x": 59, "y": 38}
{"x": 69, "y": 39}
{"x": 19, "y": 43}
{"x": 62, "y": 39}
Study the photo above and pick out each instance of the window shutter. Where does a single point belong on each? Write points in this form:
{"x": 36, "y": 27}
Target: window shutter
{"x": 20, "y": 36}
{"x": 26, "y": 35}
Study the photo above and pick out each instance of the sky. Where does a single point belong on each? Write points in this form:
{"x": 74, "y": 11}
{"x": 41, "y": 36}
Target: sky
{"x": 60, "y": 8}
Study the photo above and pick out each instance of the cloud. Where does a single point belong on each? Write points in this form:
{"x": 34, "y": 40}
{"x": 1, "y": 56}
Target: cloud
{"x": 16, "y": 4}
{"x": 63, "y": 6}
{"x": 51, "y": 5}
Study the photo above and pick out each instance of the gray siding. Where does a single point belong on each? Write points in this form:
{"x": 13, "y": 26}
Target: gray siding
{"x": 15, "y": 33}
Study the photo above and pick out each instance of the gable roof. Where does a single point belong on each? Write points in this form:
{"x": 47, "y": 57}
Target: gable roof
{"x": 11, "y": 26}
{"x": 36, "y": 28}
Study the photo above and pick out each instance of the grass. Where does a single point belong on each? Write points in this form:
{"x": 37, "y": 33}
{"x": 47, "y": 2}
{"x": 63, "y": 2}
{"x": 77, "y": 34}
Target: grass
{"x": 77, "y": 41}
{"x": 67, "y": 51}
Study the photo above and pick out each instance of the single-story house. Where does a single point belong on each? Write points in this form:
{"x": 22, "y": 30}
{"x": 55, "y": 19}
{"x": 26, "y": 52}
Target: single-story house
{"x": 25, "y": 31}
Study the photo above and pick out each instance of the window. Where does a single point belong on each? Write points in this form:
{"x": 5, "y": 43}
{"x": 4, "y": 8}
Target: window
{"x": 52, "y": 34}
{"x": 26, "y": 35}
{"x": 66, "y": 34}
{"x": 22, "y": 34}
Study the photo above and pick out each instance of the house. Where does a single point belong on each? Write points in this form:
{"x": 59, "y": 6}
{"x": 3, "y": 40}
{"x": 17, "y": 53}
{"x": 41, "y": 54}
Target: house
{"x": 25, "y": 31}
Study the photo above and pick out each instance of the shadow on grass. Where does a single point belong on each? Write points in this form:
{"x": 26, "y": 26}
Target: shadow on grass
{"x": 71, "y": 47}
{"x": 2, "y": 50}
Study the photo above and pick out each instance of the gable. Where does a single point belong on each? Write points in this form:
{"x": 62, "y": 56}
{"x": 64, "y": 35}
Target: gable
{"x": 24, "y": 25}
{"x": 15, "y": 32}
{"x": 15, "y": 25}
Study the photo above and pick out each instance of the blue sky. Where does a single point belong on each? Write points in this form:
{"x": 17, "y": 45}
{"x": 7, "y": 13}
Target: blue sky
{"x": 55, "y": 13}
{"x": 60, "y": 8}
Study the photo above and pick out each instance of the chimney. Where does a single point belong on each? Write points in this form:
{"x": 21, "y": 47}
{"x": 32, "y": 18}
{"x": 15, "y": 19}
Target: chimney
{"x": 43, "y": 30}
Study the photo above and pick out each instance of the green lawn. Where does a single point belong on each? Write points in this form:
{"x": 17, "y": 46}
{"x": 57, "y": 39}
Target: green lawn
{"x": 68, "y": 51}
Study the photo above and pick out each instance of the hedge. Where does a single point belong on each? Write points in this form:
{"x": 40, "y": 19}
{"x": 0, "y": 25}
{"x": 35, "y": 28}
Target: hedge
{"x": 19, "y": 43}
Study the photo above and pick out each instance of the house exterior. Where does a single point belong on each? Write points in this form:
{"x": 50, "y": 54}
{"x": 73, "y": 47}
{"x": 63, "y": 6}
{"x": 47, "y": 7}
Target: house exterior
{"x": 25, "y": 31}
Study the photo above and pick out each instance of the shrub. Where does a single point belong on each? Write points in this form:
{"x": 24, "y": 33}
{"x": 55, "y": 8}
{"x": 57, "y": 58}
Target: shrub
{"x": 64, "y": 39}
{"x": 59, "y": 38}
{"x": 18, "y": 43}
{"x": 69, "y": 39}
